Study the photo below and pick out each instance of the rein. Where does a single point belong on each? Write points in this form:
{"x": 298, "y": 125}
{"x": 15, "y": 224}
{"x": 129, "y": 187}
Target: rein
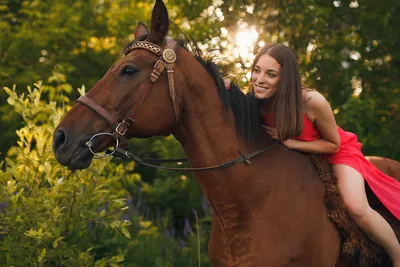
{"x": 122, "y": 153}
{"x": 167, "y": 58}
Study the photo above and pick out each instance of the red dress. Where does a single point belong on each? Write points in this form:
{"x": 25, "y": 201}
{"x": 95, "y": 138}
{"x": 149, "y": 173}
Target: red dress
{"x": 386, "y": 188}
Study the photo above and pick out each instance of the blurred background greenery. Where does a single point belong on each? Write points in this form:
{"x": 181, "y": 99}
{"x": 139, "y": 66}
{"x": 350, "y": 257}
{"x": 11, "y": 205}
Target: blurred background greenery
{"x": 348, "y": 50}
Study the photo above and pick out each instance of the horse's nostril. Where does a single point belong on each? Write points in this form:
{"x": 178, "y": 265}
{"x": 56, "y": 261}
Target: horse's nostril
{"x": 59, "y": 139}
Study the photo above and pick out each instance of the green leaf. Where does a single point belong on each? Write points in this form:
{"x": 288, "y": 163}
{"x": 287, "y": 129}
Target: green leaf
{"x": 42, "y": 254}
{"x": 126, "y": 232}
{"x": 8, "y": 90}
{"x": 55, "y": 242}
{"x": 11, "y": 101}
{"x": 102, "y": 213}
{"x": 82, "y": 90}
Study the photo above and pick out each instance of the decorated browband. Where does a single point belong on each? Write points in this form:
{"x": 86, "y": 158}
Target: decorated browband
{"x": 144, "y": 45}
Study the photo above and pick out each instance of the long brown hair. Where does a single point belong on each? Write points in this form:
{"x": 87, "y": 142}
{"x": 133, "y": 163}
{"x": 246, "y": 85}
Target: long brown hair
{"x": 287, "y": 105}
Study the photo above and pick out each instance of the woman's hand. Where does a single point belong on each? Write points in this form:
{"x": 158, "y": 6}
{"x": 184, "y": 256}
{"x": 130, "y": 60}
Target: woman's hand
{"x": 227, "y": 83}
{"x": 273, "y": 132}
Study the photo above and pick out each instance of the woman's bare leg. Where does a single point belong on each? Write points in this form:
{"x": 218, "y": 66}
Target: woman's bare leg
{"x": 351, "y": 187}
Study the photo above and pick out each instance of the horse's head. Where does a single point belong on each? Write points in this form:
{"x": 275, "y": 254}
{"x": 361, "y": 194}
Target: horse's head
{"x": 135, "y": 98}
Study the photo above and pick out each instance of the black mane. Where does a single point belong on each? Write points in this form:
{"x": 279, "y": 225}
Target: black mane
{"x": 245, "y": 107}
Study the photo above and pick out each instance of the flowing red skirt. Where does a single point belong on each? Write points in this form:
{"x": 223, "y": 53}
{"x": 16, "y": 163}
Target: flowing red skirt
{"x": 386, "y": 188}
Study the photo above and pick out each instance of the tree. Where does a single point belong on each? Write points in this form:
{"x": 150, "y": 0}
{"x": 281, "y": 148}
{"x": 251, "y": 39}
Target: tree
{"x": 348, "y": 51}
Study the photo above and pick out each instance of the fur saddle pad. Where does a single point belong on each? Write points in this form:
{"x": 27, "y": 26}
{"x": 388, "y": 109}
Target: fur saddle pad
{"x": 357, "y": 247}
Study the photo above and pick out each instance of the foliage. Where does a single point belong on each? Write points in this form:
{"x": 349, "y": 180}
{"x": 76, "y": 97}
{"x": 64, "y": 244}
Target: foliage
{"x": 46, "y": 207}
{"x": 346, "y": 49}
{"x": 52, "y": 216}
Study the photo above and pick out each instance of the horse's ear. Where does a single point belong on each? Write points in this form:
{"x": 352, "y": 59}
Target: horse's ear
{"x": 140, "y": 30}
{"x": 159, "y": 23}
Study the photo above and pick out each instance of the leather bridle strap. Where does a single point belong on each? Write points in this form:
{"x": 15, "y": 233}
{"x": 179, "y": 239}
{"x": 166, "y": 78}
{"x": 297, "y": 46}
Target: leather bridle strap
{"x": 99, "y": 110}
{"x": 167, "y": 59}
{"x": 131, "y": 108}
{"x": 169, "y": 56}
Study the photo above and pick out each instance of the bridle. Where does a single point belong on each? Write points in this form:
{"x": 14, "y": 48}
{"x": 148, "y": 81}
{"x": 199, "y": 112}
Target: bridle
{"x": 167, "y": 58}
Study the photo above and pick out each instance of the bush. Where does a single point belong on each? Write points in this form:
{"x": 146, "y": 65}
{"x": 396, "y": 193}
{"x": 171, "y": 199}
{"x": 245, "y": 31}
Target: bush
{"x": 50, "y": 216}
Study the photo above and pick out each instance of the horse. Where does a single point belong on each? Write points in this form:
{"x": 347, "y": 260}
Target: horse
{"x": 268, "y": 210}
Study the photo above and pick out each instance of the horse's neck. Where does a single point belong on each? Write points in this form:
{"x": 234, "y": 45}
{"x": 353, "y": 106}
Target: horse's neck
{"x": 207, "y": 134}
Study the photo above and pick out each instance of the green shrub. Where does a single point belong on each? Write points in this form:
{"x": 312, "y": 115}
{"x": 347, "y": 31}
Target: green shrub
{"x": 50, "y": 216}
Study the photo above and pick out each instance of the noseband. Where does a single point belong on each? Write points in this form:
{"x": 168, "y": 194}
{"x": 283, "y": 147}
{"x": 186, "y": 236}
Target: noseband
{"x": 167, "y": 58}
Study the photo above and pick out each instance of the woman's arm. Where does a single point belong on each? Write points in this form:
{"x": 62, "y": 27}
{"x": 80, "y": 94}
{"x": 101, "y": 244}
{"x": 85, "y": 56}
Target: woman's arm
{"x": 319, "y": 112}
{"x": 319, "y": 146}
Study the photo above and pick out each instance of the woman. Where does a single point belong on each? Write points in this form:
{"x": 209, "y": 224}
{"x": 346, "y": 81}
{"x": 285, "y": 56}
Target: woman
{"x": 302, "y": 119}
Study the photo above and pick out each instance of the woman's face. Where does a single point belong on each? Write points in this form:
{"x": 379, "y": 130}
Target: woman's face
{"x": 265, "y": 77}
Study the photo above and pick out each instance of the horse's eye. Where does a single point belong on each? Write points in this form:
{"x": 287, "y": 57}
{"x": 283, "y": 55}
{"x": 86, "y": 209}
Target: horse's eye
{"x": 128, "y": 71}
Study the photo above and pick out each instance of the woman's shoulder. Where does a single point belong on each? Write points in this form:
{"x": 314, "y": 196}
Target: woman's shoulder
{"x": 315, "y": 103}
{"x": 313, "y": 97}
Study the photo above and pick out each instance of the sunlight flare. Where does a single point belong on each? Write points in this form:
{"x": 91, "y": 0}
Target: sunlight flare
{"x": 245, "y": 40}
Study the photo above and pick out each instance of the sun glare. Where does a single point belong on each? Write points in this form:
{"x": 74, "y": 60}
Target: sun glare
{"x": 241, "y": 42}
{"x": 245, "y": 40}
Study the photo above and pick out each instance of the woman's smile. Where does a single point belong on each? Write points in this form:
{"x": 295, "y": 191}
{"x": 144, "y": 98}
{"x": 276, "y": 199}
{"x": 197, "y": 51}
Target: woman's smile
{"x": 265, "y": 77}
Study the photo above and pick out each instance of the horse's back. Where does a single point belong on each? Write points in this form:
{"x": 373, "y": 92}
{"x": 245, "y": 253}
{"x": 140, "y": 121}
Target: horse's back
{"x": 387, "y": 166}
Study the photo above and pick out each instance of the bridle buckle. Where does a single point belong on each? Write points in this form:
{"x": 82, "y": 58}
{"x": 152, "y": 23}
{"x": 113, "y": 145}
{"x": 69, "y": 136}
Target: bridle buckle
{"x": 157, "y": 70}
{"x": 124, "y": 126}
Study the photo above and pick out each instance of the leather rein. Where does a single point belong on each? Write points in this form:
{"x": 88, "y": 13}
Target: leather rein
{"x": 167, "y": 58}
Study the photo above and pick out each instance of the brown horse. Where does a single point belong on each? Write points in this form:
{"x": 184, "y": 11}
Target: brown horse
{"x": 267, "y": 213}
